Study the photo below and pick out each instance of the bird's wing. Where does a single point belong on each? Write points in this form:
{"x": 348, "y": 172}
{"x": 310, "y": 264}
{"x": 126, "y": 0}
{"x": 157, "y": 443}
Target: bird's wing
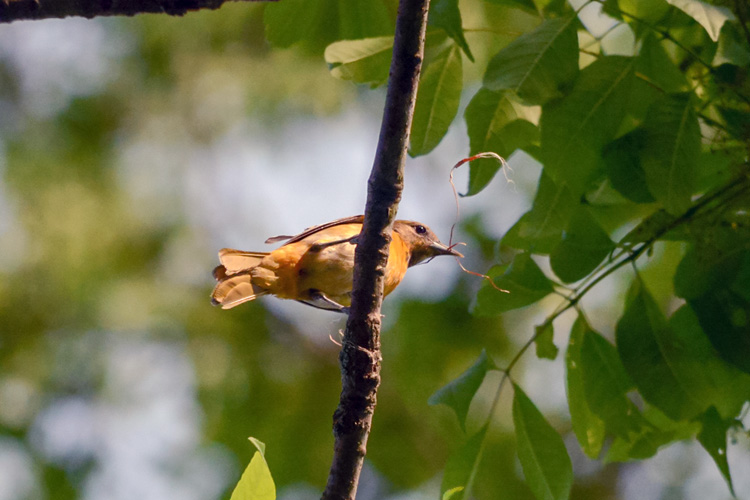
{"x": 355, "y": 219}
{"x": 276, "y": 239}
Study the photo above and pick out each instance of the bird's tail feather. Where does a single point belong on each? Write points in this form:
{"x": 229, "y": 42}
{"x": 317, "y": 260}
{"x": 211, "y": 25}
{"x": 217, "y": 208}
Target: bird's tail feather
{"x": 235, "y": 290}
{"x": 236, "y": 261}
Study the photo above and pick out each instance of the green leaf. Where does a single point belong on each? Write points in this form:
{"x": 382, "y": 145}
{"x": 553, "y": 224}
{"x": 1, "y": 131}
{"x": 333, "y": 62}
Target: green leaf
{"x": 639, "y": 446}
{"x": 527, "y": 5}
{"x": 725, "y": 317}
{"x": 460, "y": 391}
{"x": 445, "y": 14}
{"x": 456, "y": 493}
{"x": 654, "y": 64}
{"x": 362, "y": 61}
{"x": 256, "y": 482}
{"x": 584, "y": 245}
{"x": 647, "y": 10}
{"x": 588, "y": 428}
{"x": 658, "y": 363}
{"x": 622, "y": 163}
{"x": 713, "y": 438}
{"x": 716, "y": 382}
{"x": 522, "y": 278}
{"x": 605, "y": 385}
{"x": 711, "y": 17}
{"x": 260, "y": 445}
{"x": 672, "y": 149}
{"x": 576, "y": 128}
{"x": 707, "y": 266}
{"x": 363, "y": 19}
{"x": 317, "y": 23}
{"x": 732, "y": 48}
{"x": 603, "y": 371}
{"x": 736, "y": 120}
{"x": 541, "y": 228}
{"x": 714, "y": 171}
{"x": 655, "y": 430}
{"x": 536, "y": 64}
{"x": 292, "y": 21}
{"x": 495, "y": 122}
{"x": 544, "y": 340}
{"x": 437, "y": 101}
{"x": 656, "y": 74}
{"x": 741, "y": 285}
{"x": 544, "y": 459}
{"x": 555, "y": 7}
{"x": 461, "y": 468}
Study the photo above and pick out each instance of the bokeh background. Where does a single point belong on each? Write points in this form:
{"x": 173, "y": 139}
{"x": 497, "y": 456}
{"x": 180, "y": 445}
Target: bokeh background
{"x": 131, "y": 150}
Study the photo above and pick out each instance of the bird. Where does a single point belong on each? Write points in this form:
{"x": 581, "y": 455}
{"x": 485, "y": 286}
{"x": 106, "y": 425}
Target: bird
{"x": 316, "y": 267}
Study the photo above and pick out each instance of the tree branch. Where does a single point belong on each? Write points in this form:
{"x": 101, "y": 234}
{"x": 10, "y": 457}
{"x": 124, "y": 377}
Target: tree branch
{"x": 360, "y": 352}
{"x": 16, "y": 10}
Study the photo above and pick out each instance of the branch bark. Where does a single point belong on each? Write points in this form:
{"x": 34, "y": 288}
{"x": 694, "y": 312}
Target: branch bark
{"x": 16, "y": 10}
{"x": 360, "y": 352}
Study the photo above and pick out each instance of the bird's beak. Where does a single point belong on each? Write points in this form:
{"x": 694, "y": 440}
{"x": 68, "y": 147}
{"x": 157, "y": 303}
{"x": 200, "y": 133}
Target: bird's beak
{"x": 438, "y": 248}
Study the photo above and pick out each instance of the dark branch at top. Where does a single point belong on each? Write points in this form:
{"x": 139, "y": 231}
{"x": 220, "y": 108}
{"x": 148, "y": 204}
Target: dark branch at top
{"x": 17, "y": 10}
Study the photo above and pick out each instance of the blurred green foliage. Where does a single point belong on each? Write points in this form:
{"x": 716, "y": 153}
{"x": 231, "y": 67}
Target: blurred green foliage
{"x": 117, "y": 379}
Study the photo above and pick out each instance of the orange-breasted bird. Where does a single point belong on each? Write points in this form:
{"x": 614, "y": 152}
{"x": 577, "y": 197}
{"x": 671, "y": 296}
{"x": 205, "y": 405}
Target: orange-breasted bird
{"x": 316, "y": 266}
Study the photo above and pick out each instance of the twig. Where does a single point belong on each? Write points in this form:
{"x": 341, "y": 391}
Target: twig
{"x": 504, "y": 167}
{"x": 360, "y": 354}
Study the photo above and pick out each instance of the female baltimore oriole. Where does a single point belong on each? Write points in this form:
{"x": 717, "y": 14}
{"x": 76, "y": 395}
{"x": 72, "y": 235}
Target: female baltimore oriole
{"x": 316, "y": 266}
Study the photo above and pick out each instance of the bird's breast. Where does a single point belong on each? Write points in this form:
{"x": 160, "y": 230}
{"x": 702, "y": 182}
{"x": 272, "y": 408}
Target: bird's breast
{"x": 398, "y": 262}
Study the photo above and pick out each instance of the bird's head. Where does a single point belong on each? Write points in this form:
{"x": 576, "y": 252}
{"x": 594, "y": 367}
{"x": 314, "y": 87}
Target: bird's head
{"x": 422, "y": 242}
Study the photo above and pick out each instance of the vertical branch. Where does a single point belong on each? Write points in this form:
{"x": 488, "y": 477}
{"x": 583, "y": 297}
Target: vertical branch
{"x": 360, "y": 352}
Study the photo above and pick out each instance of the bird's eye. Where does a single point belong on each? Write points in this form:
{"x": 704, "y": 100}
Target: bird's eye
{"x": 420, "y": 229}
